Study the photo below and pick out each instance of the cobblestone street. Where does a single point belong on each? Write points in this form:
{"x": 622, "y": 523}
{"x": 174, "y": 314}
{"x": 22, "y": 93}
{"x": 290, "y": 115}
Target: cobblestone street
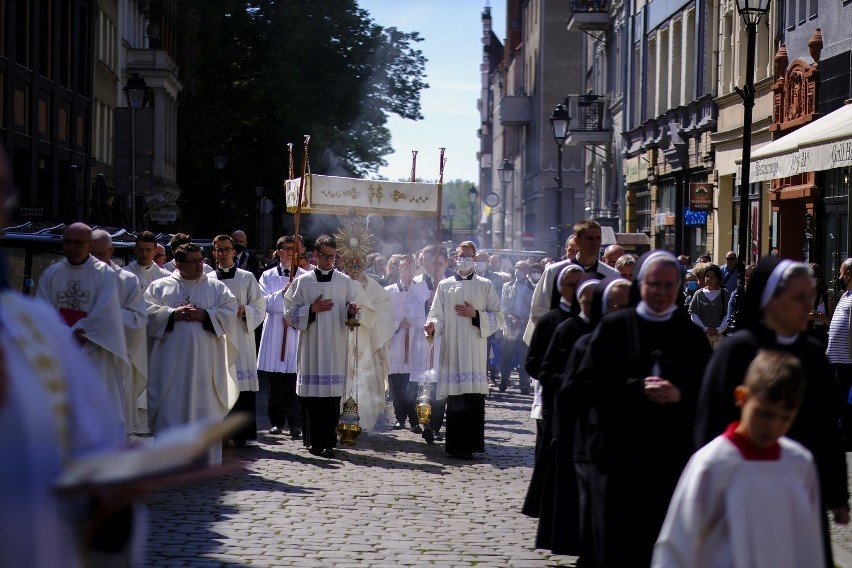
{"x": 389, "y": 501}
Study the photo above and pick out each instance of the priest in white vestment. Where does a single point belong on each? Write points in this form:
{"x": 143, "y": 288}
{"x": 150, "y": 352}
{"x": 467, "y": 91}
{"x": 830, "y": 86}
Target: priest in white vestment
{"x": 85, "y": 291}
{"x": 134, "y": 316}
{"x": 192, "y": 367}
{"x": 370, "y": 357}
{"x": 144, "y": 267}
{"x": 426, "y": 355}
{"x": 318, "y": 304}
{"x": 277, "y": 355}
{"x": 250, "y": 313}
{"x": 466, "y": 310}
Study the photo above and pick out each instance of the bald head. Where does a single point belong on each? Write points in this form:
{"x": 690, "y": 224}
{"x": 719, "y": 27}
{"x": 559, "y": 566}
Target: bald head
{"x": 77, "y": 242}
{"x": 102, "y": 248}
{"x": 240, "y": 239}
{"x": 612, "y": 254}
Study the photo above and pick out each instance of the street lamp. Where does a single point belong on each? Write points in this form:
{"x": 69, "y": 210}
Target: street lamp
{"x": 135, "y": 92}
{"x": 751, "y": 11}
{"x": 452, "y": 210}
{"x": 472, "y": 196}
{"x": 506, "y": 171}
{"x": 560, "y": 120}
{"x": 220, "y": 160}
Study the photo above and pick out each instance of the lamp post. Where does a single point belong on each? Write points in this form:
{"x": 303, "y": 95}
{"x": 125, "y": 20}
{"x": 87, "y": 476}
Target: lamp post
{"x": 220, "y": 160}
{"x": 135, "y": 92}
{"x": 560, "y": 120}
{"x": 258, "y": 192}
{"x": 751, "y": 11}
{"x": 506, "y": 171}
{"x": 452, "y": 211}
{"x": 472, "y": 196}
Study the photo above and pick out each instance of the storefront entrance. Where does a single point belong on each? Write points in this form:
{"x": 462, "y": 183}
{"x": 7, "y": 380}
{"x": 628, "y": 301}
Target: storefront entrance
{"x": 835, "y": 238}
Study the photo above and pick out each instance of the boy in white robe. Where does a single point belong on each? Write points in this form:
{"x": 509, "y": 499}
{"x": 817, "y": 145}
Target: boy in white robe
{"x": 250, "y": 313}
{"x": 466, "y": 310}
{"x": 277, "y": 355}
{"x": 749, "y": 498}
{"x": 144, "y": 267}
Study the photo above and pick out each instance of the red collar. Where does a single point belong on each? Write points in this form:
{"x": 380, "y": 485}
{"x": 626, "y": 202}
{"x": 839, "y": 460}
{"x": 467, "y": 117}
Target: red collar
{"x": 748, "y": 450}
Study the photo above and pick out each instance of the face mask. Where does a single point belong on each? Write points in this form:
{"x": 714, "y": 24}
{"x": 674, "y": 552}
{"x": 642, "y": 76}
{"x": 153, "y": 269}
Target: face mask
{"x": 480, "y": 266}
{"x": 519, "y": 275}
{"x": 692, "y": 285}
{"x": 239, "y": 248}
{"x": 464, "y": 264}
{"x": 535, "y": 276}
{"x": 813, "y": 282}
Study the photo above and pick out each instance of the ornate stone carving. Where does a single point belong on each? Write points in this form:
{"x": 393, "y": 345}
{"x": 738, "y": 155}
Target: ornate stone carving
{"x": 815, "y": 45}
{"x": 781, "y": 61}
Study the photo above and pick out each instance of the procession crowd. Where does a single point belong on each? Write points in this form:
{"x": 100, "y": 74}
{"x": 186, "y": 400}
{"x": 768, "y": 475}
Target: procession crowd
{"x": 662, "y": 438}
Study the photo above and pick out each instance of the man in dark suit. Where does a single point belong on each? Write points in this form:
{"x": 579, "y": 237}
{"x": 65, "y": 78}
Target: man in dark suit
{"x": 245, "y": 259}
{"x": 730, "y": 271}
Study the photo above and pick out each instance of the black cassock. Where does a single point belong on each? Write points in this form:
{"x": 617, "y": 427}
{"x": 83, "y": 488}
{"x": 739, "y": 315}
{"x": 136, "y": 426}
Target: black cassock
{"x": 817, "y": 423}
{"x": 547, "y": 366}
{"x": 637, "y": 448}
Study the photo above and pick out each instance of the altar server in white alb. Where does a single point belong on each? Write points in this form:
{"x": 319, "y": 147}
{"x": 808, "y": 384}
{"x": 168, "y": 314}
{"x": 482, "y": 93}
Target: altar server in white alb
{"x": 466, "y": 310}
{"x": 144, "y": 267}
{"x": 408, "y": 320}
{"x": 85, "y": 292}
{"x": 134, "y": 316}
{"x": 250, "y": 313}
{"x": 277, "y": 355}
{"x": 425, "y": 355}
{"x": 318, "y": 304}
{"x": 192, "y": 325}
{"x": 750, "y": 497}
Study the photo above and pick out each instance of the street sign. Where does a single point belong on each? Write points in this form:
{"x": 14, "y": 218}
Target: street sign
{"x": 163, "y": 216}
{"x": 492, "y": 199}
{"x": 527, "y": 239}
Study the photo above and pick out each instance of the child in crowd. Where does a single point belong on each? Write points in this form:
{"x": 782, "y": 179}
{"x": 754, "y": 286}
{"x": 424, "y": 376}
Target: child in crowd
{"x": 750, "y": 497}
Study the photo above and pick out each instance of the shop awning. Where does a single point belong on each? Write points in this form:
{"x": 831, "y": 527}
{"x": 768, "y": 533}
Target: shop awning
{"x": 823, "y": 144}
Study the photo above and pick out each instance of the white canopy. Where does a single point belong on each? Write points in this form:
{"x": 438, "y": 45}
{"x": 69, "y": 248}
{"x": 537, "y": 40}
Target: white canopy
{"x": 823, "y": 144}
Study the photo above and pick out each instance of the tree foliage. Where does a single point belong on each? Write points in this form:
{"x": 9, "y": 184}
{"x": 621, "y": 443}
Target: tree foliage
{"x": 264, "y": 73}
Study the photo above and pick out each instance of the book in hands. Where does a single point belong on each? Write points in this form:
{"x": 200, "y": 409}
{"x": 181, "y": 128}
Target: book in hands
{"x": 165, "y": 461}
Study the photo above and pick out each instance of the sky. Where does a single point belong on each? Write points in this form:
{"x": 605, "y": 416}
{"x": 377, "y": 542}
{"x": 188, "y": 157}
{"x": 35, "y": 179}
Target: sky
{"x": 452, "y": 44}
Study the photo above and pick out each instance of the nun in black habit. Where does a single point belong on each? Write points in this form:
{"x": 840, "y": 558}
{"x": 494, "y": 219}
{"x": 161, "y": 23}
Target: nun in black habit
{"x": 559, "y": 525}
{"x": 641, "y": 373}
{"x": 548, "y": 367}
{"x": 544, "y": 330}
{"x": 776, "y": 308}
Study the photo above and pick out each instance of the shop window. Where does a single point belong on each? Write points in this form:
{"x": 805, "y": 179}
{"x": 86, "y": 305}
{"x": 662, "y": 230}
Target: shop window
{"x": 643, "y": 211}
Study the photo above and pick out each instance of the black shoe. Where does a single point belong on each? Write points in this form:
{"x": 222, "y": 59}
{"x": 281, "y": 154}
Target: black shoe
{"x": 398, "y": 425}
{"x": 240, "y": 442}
{"x": 315, "y": 451}
{"x": 327, "y": 453}
{"x": 439, "y": 437}
{"x": 274, "y": 431}
{"x": 525, "y": 391}
{"x": 417, "y": 429}
{"x": 295, "y": 434}
{"x": 428, "y": 435}
{"x": 503, "y": 388}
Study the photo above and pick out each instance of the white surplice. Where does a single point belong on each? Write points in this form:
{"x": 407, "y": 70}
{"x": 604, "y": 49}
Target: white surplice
{"x": 272, "y": 285}
{"x": 323, "y": 343}
{"x": 424, "y": 356}
{"x": 146, "y": 274}
{"x": 405, "y": 307}
{"x": 372, "y": 366}
{"x": 134, "y": 316}
{"x": 735, "y": 513}
{"x": 245, "y": 288}
{"x": 91, "y": 290}
{"x": 191, "y": 372}
{"x": 38, "y": 529}
{"x": 464, "y": 353}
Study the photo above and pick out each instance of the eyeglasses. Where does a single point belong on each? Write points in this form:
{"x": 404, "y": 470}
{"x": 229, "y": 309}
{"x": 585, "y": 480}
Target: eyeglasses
{"x": 191, "y": 261}
{"x": 326, "y": 256}
{"x": 222, "y": 250}
{"x": 730, "y": 258}
{"x": 159, "y": 255}
{"x": 288, "y": 249}
{"x": 74, "y": 242}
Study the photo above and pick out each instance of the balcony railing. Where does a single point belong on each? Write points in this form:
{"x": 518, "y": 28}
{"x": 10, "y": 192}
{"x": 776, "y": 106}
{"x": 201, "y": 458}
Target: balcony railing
{"x": 589, "y": 124}
{"x": 589, "y": 15}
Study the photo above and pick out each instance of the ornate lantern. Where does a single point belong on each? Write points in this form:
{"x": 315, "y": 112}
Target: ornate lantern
{"x": 348, "y": 429}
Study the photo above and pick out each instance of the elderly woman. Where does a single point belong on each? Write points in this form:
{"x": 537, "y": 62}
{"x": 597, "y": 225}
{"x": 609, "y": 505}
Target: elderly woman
{"x": 641, "y": 372}
{"x": 776, "y": 308}
{"x": 710, "y": 306}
